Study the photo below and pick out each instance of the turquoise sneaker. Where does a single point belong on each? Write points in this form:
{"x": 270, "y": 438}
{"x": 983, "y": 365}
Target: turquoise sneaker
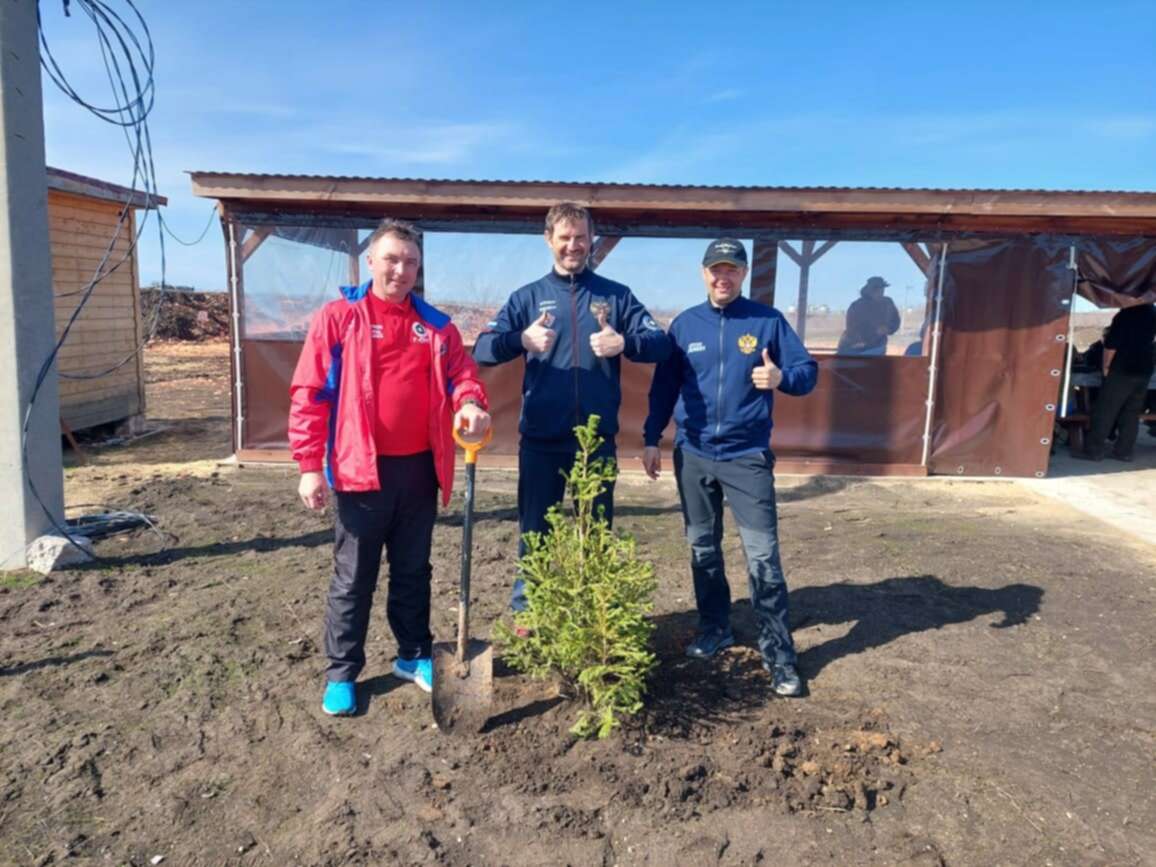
{"x": 419, "y": 671}
{"x": 340, "y": 698}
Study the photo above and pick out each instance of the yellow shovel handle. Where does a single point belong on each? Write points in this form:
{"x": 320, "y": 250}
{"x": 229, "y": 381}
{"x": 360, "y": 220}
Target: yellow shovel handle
{"x": 472, "y": 447}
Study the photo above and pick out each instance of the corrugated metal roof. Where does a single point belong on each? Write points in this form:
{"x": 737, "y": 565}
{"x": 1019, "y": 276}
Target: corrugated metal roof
{"x": 671, "y": 208}
{"x": 640, "y": 186}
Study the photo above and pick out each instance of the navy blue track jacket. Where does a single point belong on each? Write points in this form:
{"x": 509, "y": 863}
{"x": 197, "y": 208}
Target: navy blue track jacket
{"x": 565, "y": 385}
{"x": 706, "y": 382}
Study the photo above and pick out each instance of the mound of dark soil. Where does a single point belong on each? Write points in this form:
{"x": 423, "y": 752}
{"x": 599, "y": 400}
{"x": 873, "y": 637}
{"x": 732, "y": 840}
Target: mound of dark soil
{"x": 185, "y": 314}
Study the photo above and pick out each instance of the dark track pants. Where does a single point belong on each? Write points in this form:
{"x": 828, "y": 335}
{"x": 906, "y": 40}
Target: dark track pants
{"x": 748, "y": 483}
{"x": 542, "y": 484}
{"x": 1120, "y": 401}
{"x": 400, "y": 519}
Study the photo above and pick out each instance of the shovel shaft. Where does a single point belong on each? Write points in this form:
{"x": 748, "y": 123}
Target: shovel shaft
{"x": 467, "y": 548}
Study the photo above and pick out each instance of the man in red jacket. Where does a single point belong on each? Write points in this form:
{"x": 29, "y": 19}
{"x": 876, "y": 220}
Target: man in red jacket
{"x": 381, "y": 383}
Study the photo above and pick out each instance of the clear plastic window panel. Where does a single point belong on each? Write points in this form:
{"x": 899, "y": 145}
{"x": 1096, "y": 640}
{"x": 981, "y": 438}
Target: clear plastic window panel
{"x": 290, "y": 272}
{"x": 863, "y": 298}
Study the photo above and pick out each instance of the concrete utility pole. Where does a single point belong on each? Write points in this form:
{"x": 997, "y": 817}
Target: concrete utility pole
{"x": 27, "y": 331}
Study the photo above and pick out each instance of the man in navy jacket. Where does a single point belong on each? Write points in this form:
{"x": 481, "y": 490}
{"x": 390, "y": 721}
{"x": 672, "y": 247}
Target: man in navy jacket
{"x": 730, "y": 354}
{"x": 571, "y": 326}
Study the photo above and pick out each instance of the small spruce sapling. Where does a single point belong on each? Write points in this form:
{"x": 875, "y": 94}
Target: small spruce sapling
{"x": 589, "y": 596}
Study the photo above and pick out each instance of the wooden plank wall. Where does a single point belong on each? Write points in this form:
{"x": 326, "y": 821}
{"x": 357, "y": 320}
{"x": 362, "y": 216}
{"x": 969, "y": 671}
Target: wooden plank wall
{"x": 109, "y": 328}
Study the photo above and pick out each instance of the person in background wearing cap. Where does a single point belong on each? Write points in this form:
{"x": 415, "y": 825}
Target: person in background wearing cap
{"x": 572, "y": 327}
{"x": 871, "y": 318}
{"x": 730, "y": 354}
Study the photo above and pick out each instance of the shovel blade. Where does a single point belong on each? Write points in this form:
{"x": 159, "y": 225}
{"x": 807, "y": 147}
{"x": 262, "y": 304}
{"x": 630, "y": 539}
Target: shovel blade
{"x": 463, "y": 695}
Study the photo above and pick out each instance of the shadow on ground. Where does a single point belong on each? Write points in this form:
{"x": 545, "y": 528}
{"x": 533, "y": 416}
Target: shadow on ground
{"x": 888, "y": 609}
{"x": 258, "y": 544}
{"x": 693, "y": 693}
{"x": 51, "y": 662}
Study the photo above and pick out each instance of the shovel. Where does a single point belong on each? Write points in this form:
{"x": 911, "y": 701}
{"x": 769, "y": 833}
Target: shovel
{"x": 463, "y": 683}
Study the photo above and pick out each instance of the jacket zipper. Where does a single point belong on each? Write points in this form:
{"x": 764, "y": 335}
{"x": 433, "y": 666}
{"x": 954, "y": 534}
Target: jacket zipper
{"x": 718, "y": 402}
{"x": 368, "y": 397}
{"x": 574, "y": 360}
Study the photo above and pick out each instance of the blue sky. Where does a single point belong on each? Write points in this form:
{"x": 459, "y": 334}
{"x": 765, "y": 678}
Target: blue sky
{"x": 1059, "y": 96}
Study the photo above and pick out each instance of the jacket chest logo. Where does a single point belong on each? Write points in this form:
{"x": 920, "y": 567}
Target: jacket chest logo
{"x": 420, "y": 333}
{"x": 748, "y": 343}
{"x": 600, "y": 306}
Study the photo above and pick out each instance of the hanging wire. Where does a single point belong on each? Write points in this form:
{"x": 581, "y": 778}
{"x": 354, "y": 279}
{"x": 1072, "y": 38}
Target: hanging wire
{"x": 200, "y": 237}
{"x": 129, "y": 57}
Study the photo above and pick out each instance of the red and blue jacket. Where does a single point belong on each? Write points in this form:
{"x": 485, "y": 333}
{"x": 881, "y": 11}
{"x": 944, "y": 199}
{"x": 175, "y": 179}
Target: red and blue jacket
{"x": 332, "y": 398}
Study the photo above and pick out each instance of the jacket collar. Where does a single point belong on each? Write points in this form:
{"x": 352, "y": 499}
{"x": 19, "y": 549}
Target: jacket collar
{"x": 732, "y": 309}
{"x": 582, "y": 278}
{"x": 423, "y": 308}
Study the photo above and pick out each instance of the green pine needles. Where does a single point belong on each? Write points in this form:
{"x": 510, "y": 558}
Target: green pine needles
{"x": 589, "y": 597}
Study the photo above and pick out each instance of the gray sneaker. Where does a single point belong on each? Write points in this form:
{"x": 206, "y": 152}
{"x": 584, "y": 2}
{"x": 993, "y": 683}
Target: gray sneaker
{"x": 785, "y": 680}
{"x": 707, "y": 644}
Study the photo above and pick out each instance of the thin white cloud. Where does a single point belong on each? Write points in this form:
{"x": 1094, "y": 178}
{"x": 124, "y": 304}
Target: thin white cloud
{"x": 707, "y": 156}
{"x": 728, "y": 95}
{"x": 436, "y": 144}
{"x": 673, "y": 159}
{"x": 1121, "y": 128}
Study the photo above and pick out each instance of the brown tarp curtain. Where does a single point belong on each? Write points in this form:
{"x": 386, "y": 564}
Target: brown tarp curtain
{"x": 1117, "y": 272}
{"x": 1005, "y": 323}
{"x": 869, "y": 411}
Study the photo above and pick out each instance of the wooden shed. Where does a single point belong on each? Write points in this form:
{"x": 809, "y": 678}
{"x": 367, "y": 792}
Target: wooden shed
{"x": 84, "y": 218}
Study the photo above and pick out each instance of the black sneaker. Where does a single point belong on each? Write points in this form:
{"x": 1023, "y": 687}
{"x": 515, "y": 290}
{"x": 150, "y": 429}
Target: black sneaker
{"x": 785, "y": 680}
{"x": 707, "y": 644}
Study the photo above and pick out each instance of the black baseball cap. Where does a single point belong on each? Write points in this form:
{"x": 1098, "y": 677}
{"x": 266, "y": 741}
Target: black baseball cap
{"x": 725, "y": 250}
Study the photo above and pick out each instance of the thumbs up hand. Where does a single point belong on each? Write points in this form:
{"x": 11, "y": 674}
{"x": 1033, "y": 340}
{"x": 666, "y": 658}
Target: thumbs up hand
{"x": 768, "y": 376}
{"x": 539, "y": 337}
{"x": 606, "y": 342}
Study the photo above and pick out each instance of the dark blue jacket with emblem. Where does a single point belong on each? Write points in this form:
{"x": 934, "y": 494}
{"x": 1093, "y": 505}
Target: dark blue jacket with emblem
{"x": 706, "y": 382}
{"x": 568, "y": 383}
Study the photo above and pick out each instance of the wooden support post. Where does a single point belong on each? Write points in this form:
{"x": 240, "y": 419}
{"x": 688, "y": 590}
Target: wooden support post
{"x": 603, "y": 244}
{"x": 804, "y": 288}
{"x": 919, "y": 256}
{"x": 354, "y": 257}
{"x": 792, "y": 254}
{"x": 255, "y": 240}
{"x": 68, "y": 435}
{"x": 804, "y": 258}
{"x": 419, "y": 285}
{"x": 764, "y": 267}
{"x": 823, "y": 248}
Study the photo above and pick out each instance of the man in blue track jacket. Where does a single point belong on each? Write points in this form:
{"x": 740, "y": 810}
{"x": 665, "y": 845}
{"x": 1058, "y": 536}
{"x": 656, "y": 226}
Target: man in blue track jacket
{"x": 571, "y": 326}
{"x": 730, "y": 354}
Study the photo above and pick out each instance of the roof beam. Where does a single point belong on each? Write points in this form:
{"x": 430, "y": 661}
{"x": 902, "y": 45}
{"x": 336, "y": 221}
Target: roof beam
{"x": 919, "y": 256}
{"x": 538, "y": 196}
{"x": 253, "y": 241}
{"x": 603, "y": 244}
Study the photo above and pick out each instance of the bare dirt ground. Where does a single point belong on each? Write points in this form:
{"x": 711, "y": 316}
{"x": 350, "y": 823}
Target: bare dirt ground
{"x": 980, "y": 666}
